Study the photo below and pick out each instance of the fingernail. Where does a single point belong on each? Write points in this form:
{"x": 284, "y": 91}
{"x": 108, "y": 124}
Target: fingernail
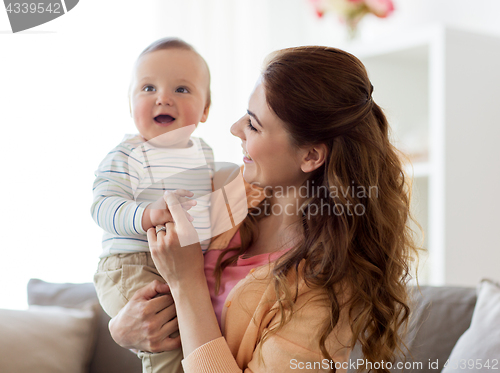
{"x": 190, "y": 218}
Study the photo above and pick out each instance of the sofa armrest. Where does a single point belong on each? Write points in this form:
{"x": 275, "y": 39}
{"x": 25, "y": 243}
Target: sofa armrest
{"x": 108, "y": 357}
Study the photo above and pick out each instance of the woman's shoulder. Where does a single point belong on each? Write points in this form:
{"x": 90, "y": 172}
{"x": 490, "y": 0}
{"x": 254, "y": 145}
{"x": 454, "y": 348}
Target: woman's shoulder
{"x": 255, "y": 306}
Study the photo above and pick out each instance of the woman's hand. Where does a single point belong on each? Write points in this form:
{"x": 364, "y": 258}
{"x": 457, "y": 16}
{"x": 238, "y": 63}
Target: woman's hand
{"x": 147, "y": 321}
{"x": 178, "y": 257}
{"x": 176, "y": 252}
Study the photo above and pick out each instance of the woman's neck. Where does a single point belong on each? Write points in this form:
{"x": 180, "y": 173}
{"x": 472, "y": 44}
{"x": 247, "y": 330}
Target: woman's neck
{"x": 281, "y": 228}
{"x": 286, "y": 207}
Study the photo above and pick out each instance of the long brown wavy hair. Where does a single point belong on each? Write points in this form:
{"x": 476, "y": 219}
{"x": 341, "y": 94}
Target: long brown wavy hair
{"x": 324, "y": 96}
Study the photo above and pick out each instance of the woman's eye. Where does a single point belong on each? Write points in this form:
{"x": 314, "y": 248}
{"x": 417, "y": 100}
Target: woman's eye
{"x": 252, "y": 128}
{"x": 182, "y": 90}
{"x": 149, "y": 88}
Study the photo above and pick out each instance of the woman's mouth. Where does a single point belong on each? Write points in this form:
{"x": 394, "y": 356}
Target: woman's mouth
{"x": 163, "y": 120}
{"x": 247, "y": 157}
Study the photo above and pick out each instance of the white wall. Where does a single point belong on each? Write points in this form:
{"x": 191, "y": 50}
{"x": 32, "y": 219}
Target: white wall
{"x": 63, "y": 104}
{"x": 237, "y": 35}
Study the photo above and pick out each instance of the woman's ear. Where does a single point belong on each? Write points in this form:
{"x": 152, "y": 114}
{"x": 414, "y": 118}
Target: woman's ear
{"x": 314, "y": 158}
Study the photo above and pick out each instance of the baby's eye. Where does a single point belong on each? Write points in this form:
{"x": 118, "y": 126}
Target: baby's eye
{"x": 149, "y": 88}
{"x": 182, "y": 90}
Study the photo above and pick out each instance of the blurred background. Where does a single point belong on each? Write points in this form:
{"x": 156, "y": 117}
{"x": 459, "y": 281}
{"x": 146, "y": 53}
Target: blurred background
{"x": 63, "y": 93}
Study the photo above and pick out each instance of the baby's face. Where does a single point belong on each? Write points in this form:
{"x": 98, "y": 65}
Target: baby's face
{"x": 169, "y": 91}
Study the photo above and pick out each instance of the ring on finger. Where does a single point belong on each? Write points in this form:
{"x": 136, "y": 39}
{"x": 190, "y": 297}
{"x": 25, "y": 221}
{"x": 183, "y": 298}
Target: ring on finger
{"x": 160, "y": 228}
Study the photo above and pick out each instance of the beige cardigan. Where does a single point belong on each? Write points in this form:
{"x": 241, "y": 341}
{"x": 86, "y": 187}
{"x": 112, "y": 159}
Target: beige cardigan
{"x": 251, "y": 309}
{"x": 246, "y": 315}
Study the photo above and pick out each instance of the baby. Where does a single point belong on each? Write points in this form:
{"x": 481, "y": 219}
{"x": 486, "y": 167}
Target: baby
{"x": 169, "y": 96}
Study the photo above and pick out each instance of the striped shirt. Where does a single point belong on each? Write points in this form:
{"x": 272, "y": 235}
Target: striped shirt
{"x": 135, "y": 174}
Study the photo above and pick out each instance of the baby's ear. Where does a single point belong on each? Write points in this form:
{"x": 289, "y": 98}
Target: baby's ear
{"x": 204, "y": 117}
{"x": 130, "y": 105}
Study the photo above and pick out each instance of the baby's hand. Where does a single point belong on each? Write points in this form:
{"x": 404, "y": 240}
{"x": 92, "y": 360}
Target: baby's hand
{"x": 157, "y": 213}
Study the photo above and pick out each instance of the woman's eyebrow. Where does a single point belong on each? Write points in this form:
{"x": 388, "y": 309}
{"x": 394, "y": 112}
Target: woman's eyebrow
{"x": 255, "y": 117}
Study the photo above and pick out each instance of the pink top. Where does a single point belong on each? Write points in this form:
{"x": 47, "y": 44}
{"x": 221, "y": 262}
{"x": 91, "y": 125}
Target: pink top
{"x": 232, "y": 274}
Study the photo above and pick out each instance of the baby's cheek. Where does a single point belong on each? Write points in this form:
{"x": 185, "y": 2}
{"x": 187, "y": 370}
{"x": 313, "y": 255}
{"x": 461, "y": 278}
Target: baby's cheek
{"x": 140, "y": 119}
{"x": 192, "y": 118}
{"x": 195, "y": 113}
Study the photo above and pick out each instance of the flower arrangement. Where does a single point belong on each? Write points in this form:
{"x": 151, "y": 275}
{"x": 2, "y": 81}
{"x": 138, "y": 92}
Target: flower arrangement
{"x": 352, "y": 11}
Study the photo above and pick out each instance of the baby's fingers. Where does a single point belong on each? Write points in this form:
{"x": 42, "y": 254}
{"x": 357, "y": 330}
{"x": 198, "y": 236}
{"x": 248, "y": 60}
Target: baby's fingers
{"x": 187, "y": 203}
{"x": 182, "y": 196}
{"x": 183, "y": 193}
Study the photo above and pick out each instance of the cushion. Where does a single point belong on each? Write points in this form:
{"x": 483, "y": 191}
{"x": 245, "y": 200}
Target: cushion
{"x": 439, "y": 316}
{"x": 478, "y": 349}
{"x": 108, "y": 356}
{"x": 47, "y": 339}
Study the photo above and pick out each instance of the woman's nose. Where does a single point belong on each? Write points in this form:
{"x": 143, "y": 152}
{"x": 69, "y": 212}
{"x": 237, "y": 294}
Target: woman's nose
{"x": 237, "y": 128}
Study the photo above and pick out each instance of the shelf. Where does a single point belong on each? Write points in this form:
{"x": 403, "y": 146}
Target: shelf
{"x": 420, "y": 169}
{"x": 437, "y": 88}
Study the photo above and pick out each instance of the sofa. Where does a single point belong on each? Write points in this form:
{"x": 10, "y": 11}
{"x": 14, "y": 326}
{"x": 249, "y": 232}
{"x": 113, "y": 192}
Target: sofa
{"x": 440, "y": 317}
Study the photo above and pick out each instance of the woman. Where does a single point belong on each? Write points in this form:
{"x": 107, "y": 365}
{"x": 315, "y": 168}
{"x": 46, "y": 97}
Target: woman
{"x": 329, "y": 244}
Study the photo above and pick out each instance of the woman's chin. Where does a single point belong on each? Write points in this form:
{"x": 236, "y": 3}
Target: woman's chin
{"x": 248, "y": 175}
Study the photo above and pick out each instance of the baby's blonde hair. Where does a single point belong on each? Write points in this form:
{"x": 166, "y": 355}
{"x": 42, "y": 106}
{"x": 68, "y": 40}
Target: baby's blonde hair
{"x": 170, "y": 43}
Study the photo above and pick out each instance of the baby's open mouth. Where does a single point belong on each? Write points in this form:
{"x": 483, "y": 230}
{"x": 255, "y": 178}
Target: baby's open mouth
{"x": 164, "y": 119}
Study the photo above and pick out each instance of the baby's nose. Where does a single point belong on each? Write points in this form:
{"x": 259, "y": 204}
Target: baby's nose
{"x": 164, "y": 99}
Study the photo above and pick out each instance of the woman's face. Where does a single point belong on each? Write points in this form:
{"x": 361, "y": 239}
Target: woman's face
{"x": 270, "y": 159}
